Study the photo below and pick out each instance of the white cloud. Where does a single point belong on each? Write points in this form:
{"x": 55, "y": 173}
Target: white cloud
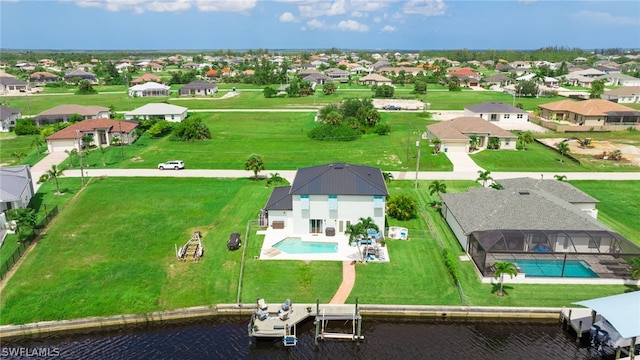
{"x": 358, "y": 14}
{"x": 605, "y": 18}
{"x": 389, "y": 28}
{"x": 352, "y": 25}
{"x": 287, "y": 17}
{"x": 316, "y": 24}
{"x": 138, "y": 6}
{"x": 424, "y": 7}
{"x": 323, "y": 8}
{"x": 239, "y": 6}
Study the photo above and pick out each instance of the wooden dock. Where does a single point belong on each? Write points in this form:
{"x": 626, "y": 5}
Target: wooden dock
{"x": 579, "y": 319}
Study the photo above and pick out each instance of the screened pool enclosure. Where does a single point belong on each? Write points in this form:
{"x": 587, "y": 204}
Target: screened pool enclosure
{"x": 603, "y": 254}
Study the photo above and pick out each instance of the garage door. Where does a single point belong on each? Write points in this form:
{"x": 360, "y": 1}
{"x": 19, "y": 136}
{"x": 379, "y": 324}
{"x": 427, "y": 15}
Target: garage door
{"x": 453, "y": 147}
{"x": 60, "y": 145}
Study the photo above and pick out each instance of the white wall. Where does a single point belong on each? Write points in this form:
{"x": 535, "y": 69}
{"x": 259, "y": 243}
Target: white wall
{"x": 456, "y": 228}
{"x": 350, "y": 208}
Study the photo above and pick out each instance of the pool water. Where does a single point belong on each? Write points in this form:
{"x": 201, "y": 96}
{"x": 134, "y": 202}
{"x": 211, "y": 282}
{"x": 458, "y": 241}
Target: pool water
{"x": 553, "y": 268}
{"x": 297, "y": 246}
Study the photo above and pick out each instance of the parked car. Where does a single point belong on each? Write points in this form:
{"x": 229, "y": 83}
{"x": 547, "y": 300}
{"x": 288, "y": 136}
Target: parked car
{"x": 391, "y": 107}
{"x": 172, "y": 164}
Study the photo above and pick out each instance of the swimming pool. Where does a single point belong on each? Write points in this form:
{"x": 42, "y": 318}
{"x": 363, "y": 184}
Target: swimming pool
{"x": 293, "y": 245}
{"x": 553, "y": 268}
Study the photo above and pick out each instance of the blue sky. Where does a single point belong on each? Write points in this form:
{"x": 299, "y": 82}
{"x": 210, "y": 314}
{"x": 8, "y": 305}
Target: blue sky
{"x": 317, "y": 24}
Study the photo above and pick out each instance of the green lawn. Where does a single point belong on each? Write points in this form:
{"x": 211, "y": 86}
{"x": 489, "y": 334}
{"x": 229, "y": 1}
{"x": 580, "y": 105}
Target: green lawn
{"x": 10, "y": 144}
{"x": 537, "y": 157}
{"x": 107, "y": 255}
{"x": 281, "y": 139}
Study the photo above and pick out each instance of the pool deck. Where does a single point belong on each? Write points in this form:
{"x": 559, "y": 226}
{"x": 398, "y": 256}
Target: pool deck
{"x": 345, "y": 251}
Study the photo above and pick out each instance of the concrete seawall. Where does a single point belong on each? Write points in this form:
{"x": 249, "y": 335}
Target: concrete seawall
{"x": 119, "y": 322}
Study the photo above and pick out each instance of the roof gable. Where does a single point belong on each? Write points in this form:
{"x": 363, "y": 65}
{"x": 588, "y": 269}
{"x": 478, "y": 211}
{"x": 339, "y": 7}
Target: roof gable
{"x": 339, "y": 179}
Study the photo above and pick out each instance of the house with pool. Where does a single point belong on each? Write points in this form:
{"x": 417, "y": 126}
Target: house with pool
{"x": 547, "y": 228}
{"x": 307, "y": 220}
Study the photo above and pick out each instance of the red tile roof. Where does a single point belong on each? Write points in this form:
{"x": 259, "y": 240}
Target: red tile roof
{"x": 89, "y": 125}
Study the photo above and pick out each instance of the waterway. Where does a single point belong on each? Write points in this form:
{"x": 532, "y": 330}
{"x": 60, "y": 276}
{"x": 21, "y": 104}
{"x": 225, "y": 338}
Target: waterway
{"x": 226, "y": 338}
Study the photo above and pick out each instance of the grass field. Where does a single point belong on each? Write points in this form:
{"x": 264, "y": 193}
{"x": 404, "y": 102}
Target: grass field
{"x": 107, "y": 255}
{"x": 281, "y": 139}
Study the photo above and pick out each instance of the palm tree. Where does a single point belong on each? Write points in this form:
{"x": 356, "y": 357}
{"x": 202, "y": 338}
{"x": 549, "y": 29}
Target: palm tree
{"x": 525, "y": 138}
{"x": 387, "y": 177}
{"x": 72, "y": 153}
{"x": 563, "y": 148}
{"x": 494, "y": 143}
{"x": 502, "y": 268}
{"x": 437, "y": 187}
{"x": 255, "y": 164}
{"x": 54, "y": 173}
{"x": 103, "y": 152}
{"x": 436, "y": 145}
{"x": 37, "y": 143}
{"x": 473, "y": 142}
{"x": 368, "y": 224}
{"x": 560, "y": 177}
{"x": 497, "y": 186}
{"x": 274, "y": 178}
{"x": 19, "y": 155}
{"x": 484, "y": 176}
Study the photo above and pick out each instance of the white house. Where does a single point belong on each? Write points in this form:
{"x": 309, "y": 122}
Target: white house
{"x": 8, "y": 118}
{"x": 325, "y": 199}
{"x": 149, "y": 89}
{"x": 162, "y": 111}
{"x": 16, "y": 187}
{"x": 455, "y": 135}
{"x": 497, "y": 112}
{"x": 626, "y": 95}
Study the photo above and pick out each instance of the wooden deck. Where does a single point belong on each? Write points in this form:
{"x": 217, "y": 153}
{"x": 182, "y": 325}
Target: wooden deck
{"x": 579, "y": 319}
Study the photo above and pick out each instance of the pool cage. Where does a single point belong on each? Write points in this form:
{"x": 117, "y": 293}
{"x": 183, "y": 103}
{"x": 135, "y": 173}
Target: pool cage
{"x": 606, "y": 253}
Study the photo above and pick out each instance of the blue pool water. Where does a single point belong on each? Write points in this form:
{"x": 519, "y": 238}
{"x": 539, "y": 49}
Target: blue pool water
{"x": 553, "y": 268}
{"x": 297, "y": 246}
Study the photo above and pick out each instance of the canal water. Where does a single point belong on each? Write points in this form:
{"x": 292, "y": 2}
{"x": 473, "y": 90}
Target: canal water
{"x": 385, "y": 338}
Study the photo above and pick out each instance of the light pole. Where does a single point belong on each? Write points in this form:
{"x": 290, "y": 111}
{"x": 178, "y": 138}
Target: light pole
{"x": 417, "y": 162}
{"x": 80, "y": 156}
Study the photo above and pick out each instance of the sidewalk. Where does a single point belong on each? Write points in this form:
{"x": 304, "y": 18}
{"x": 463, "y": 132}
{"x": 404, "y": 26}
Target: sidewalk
{"x": 44, "y": 165}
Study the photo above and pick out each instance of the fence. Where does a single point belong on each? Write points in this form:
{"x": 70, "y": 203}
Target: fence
{"x": 26, "y": 241}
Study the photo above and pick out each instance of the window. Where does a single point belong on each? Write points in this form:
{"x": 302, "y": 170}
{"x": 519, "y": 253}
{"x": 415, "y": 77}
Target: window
{"x": 594, "y": 242}
{"x": 304, "y": 202}
{"x": 333, "y": 202}
{"x": 494, "y": 117}
{"x": 315, "y": 226}
{"x": 378, "y": 202}
{"x": 520, "y": 116}
{"x": 506, "y": 116}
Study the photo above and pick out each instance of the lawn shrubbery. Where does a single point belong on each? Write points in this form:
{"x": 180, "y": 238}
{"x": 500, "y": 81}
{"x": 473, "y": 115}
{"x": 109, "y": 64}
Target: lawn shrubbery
{"x": 402, "y": 207}
{"x": 328, "y": 132}
{"x": 452, "y": 265}
{"x": 348, "y": 120}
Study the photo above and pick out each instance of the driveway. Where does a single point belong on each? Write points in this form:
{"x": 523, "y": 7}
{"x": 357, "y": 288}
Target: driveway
{"x": 44, "y": 165}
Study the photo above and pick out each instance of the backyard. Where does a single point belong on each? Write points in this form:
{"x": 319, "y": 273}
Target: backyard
{"x": 121, "y": 259}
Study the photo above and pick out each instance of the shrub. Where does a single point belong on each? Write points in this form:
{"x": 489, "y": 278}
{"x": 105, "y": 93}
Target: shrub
{"x": 327, "y": 132}
{"x": 159, "y": 128}
{"x": 402, "y": 208}
{"x": 451, "y": 264}
{"x": 26, "y": 126}
{"x": 382, "y": 129}
{"x": 191, "y": 129}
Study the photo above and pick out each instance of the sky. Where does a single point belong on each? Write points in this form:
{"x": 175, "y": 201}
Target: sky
{"x": 318, "y": 24}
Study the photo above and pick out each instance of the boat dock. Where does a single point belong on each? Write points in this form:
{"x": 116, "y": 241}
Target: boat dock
{"x": 271, "y": 321}
{"x": 579, "y": 319}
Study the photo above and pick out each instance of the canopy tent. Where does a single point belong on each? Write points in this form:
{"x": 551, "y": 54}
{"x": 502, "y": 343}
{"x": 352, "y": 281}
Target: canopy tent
{"x": 621, "y": 311}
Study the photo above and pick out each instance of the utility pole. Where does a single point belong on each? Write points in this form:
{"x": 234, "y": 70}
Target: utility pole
{"x": 121, "y": 139}
{"x": 417, "y": 162}
{"x": 80, "y": 155}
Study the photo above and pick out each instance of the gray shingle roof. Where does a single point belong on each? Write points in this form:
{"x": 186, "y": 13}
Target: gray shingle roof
{"x": 13, "y": 182}
{"x": 5, "y": 112}
{"x": 339, "y": 179}
{"x": 199, "y": 84}
{"x": 280, "y": 199}
{"x": 490, "y": 209}
{"x": 495, "y": 107}
{"x": 563, "y": 190}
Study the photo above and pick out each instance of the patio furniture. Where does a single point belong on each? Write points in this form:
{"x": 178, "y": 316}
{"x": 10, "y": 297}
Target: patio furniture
{"x": 262, "y": 305}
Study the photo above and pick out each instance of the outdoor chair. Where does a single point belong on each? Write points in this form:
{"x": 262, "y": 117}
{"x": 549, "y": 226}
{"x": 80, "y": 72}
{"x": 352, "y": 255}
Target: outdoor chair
{"x": 262, "y": 305}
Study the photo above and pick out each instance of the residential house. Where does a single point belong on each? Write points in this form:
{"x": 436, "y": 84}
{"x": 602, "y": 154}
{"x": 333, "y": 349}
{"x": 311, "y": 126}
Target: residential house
{"x": 161, "y": 111}
{"x": 317, "y": 79}
{"x": 455, "y": 135}
{"x": 619, "y": 79}
{"x": 498, "y": 112}
{"x": 145, "y": 78}
{"x": 155, "y": 67}
{"x": 391, "y": 70}
{"x": 575, "y": 79}
{"x": 43, "y": 77}
{"x": 375, "y": 79}
{"x": 8, "y": 118}
{"x": 338, "y": 74}
{"x": 199, "y": 88}
{"x": 16, "y": 187}
{"x": 62, "y": 113}
{"x": 623, "y": 95}
{"x": 81, "y": 74}
{"x": 10, "y": 84}
{"x": 497, "y": 79}
{"x": 590, "y": 113}
{"x": 149, "y": 89}
{"x": 325, "y": 199}
{"x": 529, "y": 217}
{"x": 100, "y": 131}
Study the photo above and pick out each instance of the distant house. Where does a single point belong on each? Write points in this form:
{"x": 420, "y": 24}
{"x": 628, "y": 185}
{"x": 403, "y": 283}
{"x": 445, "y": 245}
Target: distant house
{"x": 623, "y": 95}
{"x": 455, "y": 135}
{"x": 172, "y": 113}
{"x": 8, "y": 118}
{"x": 62, "y": 113}
{"x": 16, "y": 187}
{"x": 375, "y": 79}
{"x": 591, "y": 113}
{"x": 618, "y": 79}
{"x": 498, "y": 112}
{"x": 325, "y": 199}
{"x": 497, "y": 79}
{"x": 199, "y": 88}
{"x": 10, "y": 84}
{"x": 101, "y": 131}
{"x": 43, "y": 77}
{"x": 317, "y": 79}
{"x": 149, "y": 89}
{"x": 81, "y": 74}
{"x": 145, "y": 78}
{"x": 338, "y": 74}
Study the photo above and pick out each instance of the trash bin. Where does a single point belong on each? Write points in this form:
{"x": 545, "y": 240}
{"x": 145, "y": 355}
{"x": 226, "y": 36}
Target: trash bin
{"x": 446, "y": 149}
